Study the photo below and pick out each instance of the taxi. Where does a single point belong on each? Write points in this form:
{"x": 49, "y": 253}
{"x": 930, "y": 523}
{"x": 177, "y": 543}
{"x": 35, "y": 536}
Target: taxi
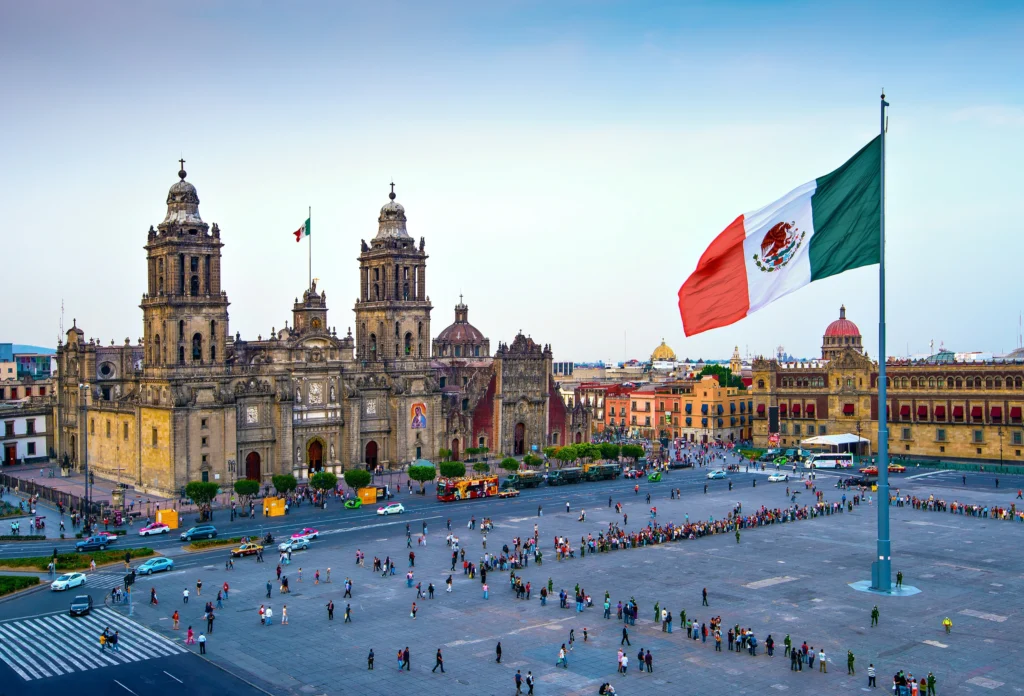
{"x": 247, "y": 549}
{"x": 508, "y": 493}
{"x": 155, "y": 528}
{"x": 307, "y": 533}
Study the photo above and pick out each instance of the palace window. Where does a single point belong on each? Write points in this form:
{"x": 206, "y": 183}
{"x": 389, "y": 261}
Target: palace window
{"x": 979, "y": 436}
{"x": 783, "y": 429}
{"x": 197, "y": 348}
{"x": 1018, "y": 437}
{"x": 155, "y": 438}
{"x": 408, "y": 343}
{"x": 796, "y": 428}
{"x": 126, "y": 432}
{"x": 821, "y": 429}
{"x": 443, "y": 381}
{"x": 940, "y": 434}
{"x": 31, "y": 448}
{"x": 905, "y": 434}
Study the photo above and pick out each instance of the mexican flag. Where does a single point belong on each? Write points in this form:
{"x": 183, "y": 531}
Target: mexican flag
{"x": 302, "y": 231}
{"x": 822, "y": 228}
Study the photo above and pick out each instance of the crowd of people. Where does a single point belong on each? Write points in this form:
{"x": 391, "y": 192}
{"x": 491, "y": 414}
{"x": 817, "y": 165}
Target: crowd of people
{"x": 931, "y": 503}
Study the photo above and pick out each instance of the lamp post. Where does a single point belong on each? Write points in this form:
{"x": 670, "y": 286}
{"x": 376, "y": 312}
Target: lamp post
{"x": 1000, "y": 432}
{"x": 83, "y": 393}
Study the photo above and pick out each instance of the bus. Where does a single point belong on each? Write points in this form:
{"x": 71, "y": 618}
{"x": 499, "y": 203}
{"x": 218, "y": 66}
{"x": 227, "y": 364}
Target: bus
{"x": 449, "y": 489}
{"x": 829, "y": 460}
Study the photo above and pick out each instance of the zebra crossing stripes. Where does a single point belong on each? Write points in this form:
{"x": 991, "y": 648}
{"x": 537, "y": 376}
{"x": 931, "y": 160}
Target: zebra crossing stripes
{"x": 59, "y": 644}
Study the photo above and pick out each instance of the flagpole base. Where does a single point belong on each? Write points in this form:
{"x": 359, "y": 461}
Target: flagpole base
{"x": 902, "y": 591}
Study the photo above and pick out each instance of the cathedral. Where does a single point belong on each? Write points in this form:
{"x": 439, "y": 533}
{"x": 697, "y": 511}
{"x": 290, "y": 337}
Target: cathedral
{"x": 189, "y": 401}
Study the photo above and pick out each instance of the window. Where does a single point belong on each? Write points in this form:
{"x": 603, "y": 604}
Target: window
{"x": 126, "y": 432}
{"x": 203, "y": 423}
{"x": 940, "y": 434}
{"x": 92, "y": 426}
{"x": 906, "y": 434}
{"x": 31, "y": 448}
{"x": 821, "y": 429}
{"x": 155, "y": 438}
{"x": 979, "y": 436}
{"x": 633, "y": 421}
{"x": 205, "y": 443}
{"x": 796, "y": 428}
{"x": 1018, "y": 437}
{"x": 465, "y": 404}
{"x": 647, "y": 421}
{"x": 30, "y": 426}
{"x": 206, "y": 461}
{"x": 443, "y": 380}
{"x": 206, "y": 476}
{"x": 197, "y": 348}
{"x": 634, "y": 405}
{"x": 783, "y": 429}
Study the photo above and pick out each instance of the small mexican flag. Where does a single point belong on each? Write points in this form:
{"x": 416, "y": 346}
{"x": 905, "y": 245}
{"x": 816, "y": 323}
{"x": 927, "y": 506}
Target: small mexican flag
{"x": 302, "y": 231}
{"x": 820, "y": 229}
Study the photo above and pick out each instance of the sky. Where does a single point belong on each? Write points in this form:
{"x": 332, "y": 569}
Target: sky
{"x": 567, "y": 162}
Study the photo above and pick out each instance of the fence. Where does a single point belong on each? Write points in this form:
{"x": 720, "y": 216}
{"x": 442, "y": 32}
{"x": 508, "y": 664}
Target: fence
{"x": 69, "y": 500}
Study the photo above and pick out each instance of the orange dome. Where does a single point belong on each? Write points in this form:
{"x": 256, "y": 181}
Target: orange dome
{"x": 842, "y": 326}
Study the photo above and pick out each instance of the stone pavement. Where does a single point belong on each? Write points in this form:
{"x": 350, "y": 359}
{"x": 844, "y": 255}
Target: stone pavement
{"x": 789, "y": 578}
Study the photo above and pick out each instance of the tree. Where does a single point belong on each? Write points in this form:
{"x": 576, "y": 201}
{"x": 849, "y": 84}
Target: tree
{"x": 633, "y": 452}
{"x": 422, "y": 473}
{"x": 453, "y": 469}
{"x": 609, "y": 450}
{"x": 284, "y": 483}
{"x": 510, "y": 464}
{"x": 483, "y": 450}
{"x": 472, "y": 451}
{"x": 532, "y": 460}
{"x": 202, "y": 494}
{"x": 443, "y": 454}
{"x": 588, "y": 450}
{"x": 323, "y": 481}
{"x": 247, "y": 488}
{"x": 549, "y": 452}
{"x": 724, "y": 376}
{"x": 481, "y": 467}
{"x": 566, "y": 454}
{"x": 356, "y": 478}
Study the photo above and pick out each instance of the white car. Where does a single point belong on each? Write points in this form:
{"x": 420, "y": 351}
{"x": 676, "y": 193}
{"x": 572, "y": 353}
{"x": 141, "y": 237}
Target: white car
{"x": 155, "y": 528}
{"x": 720, "y": 474}
{"x": 67, "y": 581}
{"x": 391, "y": 509}
{"x": 293, "y": 545}
{"x": 777, "y": 477}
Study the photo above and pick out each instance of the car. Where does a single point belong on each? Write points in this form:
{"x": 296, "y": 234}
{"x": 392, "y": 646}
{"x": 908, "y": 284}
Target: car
{"x": 111, "y": 537}
{"x": 307, "y": 533}
{"x": 81, "y": 605}
{"x": 156, "y": 565}
{"x": 508, "y": 493}
{"x": 897, "y": 469}
{"x": 67, "y": 581}
{"x": 353, "y": 504}
{"x": 781, "y": 461}
{"x": 391, "y": 509}
{"x": 873, "y": 469}
{"x": 777, "y": 477}
{"x": 155, "y": 528}
{"x": 92, "y": 543}
{"x": 293, "y": 545}
{"x": 654, "y": 477}
{"x": 633, "y": 473}
{"x": 203, "y": 531}
{"x": 247, "y": 549}
{"x": 720, "y": 474}
{"x": 859, "y": 481}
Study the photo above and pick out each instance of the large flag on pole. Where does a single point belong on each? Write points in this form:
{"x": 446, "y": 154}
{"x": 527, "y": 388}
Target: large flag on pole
{"x": 302, "y": 231}
{"x": 820, "y": 229}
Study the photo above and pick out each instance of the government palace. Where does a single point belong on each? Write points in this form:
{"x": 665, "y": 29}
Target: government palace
{"x": 937, "y": 407}
{"x": 190, "y": 401}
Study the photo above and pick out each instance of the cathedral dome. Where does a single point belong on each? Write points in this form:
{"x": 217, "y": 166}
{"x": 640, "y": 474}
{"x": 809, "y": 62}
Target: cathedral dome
{"x": 461, "y": 339}
{"x": 461, "y": 332}
{"x": 183, "y": 202}
{"x": 663, "y": 353}
{"x": 842, "y": 326}
{"x": 391, "y": 223}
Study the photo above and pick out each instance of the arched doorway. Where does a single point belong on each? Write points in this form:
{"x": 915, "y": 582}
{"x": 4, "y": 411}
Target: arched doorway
{"x": 519, "y": 441}
{"x": 579, "y": 438}
{"x": 455, "y": 450}
{"x": 252, "y": 466}
{"x": 74, "y": 449}
{"x": 371, "y": 455}
{"x": 315, "y": 456}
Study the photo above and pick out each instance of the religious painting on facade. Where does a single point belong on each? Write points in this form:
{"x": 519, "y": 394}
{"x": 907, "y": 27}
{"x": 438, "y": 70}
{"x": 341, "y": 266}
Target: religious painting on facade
{"x": 419, "y": 416}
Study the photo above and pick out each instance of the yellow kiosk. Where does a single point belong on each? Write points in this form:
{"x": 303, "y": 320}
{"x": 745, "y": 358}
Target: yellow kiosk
{"x": 273, "y": 507}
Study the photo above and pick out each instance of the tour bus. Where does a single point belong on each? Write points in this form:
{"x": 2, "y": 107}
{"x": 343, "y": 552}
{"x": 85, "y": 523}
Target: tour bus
{"x": 829, "y": 460}
{"x": 449, "y": 489}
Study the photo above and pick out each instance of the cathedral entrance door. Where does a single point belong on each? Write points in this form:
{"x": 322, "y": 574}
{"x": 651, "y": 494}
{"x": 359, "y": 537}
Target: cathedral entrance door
{"x": 455, "y": 450}
{"x": 519, "y": 441}
{"x": 315, "y": 456}
{"x": 579, "y": 438}
{"x": 252, "y": 466}
{"x": 371, "y": 455}
{"x": 10, "y": 454}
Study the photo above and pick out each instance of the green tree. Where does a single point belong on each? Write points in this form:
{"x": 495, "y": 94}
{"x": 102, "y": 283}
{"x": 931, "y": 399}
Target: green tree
{"x": 284, "y": 483}
{"x": 202, "y": 494}
{"x": 510, "y": 464}
{"x": 588, "y": 450}
{"x": 356, "y": 478}
{"x": 481, "y": 467}
{"x": 246, "y": 489}
{"x": 452, "y": 469}
{"x": 483, "y": 450}
{"x": 472, "y": 451}
{"x": 724, "y": 376}
{"x": 633, "y": 452}
{"x": 549, "y": 452}
{"x": 532, "y": 460}
{"x": 323, "y": 481}
{"x": 566, "y": 454}
{"x": 422, "y": 473}
{"x": 443, "y": 454}
{"x": 609, "y": 450}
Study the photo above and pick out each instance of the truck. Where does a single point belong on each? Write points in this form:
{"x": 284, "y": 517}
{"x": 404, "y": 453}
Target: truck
{"x": 601, "y": 472}
{"x": 525, "y": 479}
{"x": 569, "y": 475}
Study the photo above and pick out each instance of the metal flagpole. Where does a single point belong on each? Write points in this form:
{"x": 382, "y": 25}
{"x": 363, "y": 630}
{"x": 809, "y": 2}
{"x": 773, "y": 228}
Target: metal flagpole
{"x": 881, "y": 569}
{"x": 309, "y": 229}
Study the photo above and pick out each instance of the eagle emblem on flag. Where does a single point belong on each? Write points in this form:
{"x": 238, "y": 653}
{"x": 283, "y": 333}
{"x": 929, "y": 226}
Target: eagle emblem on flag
{"x": 779, "y": 245}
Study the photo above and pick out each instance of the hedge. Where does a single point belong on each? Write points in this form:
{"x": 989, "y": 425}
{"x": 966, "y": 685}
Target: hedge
{"x": 22, "y": 537}
{"x": 13, "y": 583}
{"x": 118, "y": 532}
{"x": 210, "y": 543}
{"x": 73, "y": 561}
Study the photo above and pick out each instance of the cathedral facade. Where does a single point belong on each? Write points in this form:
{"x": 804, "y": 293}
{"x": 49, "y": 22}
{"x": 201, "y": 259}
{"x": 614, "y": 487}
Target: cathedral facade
{"x": 189, "y": 401}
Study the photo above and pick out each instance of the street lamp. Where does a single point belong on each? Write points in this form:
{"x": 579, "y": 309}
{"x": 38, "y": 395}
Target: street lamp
{"x": 1000, "y": 432}
{"x": 83, "y": 392}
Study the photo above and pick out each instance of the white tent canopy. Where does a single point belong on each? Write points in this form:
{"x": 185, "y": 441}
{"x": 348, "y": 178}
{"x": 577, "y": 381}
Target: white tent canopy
{"x": 838, "y": 441}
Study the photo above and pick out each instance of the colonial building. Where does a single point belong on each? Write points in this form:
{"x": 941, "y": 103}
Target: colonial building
{"x": 936, "y": 407}
{"x": 190, "y": 401}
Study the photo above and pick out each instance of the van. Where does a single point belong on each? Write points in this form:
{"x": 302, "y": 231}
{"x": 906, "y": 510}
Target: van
{"x": 829, "y": 460}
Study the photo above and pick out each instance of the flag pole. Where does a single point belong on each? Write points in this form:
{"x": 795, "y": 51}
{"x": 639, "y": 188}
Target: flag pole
{"x": 881, "y": 569}
{"x": 309, "y": 222}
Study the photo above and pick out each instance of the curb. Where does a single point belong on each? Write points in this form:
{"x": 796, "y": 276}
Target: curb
{"x": 27, "y": 591}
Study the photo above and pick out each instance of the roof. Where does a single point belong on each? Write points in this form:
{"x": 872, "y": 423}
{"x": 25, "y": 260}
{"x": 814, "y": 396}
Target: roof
{"x": 834, "y": 440}
{"x": 461, "y": 332}
{"x": 663, "y": 352}
{"x": 842, "y": 326}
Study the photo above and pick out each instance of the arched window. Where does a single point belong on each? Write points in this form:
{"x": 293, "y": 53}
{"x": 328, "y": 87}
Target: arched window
{"x": 213, "y": 351}
{"x": 408, "y": 343}
{"x": 969, "y": 384}
{"x": 156, "y": 356}
{"x": 988, "y": 383}
{"x": 999, "y": 383}
{"x": 959, "y": 384}
{"x": 160, "y": 285}
{"x": 760, "y": 384}
{"x": 396, "y": 329}
{"x": 913, "y": 382}
{"x": 405, "y": 291}
{"x": 458, "y": 351}
{"x": 476, "y": 351}
{"x": 193, "y": 285}
{"x": 181, "y": 355}
{"x": 181, "y": 330}
{"x": 419, "y": 330}
{"x": 373, "y": 345}
{"x": 949, "y": 383}
{"x": 1017, "y": 382}
{"x": 197, "y": 347}
{"x": 376, "y": 291}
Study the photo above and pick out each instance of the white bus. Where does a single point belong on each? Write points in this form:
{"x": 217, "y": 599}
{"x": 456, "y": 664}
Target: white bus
{"x": 829, "y": 460}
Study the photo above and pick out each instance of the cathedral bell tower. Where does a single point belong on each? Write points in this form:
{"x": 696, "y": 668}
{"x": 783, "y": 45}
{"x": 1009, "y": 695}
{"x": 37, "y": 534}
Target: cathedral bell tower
{"x": 185, "y": 312}
{"x": 393, "y": 310}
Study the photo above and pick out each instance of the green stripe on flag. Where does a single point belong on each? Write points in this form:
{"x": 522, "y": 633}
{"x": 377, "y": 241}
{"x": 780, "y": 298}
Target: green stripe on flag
{"x": 847, "y": 211}
{"x": 307, "y": 227}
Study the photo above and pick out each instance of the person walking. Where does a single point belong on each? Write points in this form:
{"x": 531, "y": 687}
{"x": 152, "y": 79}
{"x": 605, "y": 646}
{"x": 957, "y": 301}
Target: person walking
{"x": 849, "y": 662}
{"x": 625, "y": 637}
{"x": 871, "y": 675}
{"x": 209, "y": 621}
{"x": 899, "y": 579}
{"x": 529, "y": 683}
{"x": 563, "y": 659}
{"x": 268, "y": 589}
{"x": 401, "y": 662}
{"x": 625, "y": 664}
{"x": 438, "y": 662}
{"x": 369, "y": 660}
{"x": 497, "y": 652}
{"x": 649, "y": 661}
{"x": 704, "y": 595}
{"x": 330, "y": 610}
{"x": 202, "y": 643}
{"x": 348, "y": 613}
{"x": 947, "y": 624}
{"x": 175, "y": 618}
{"x": 284, "y": 614}
{"x": 874, "y": 616}
{"x": 405, "y": 658}
{"x": 199, "y": 587}
{"x": 821, "y": 661}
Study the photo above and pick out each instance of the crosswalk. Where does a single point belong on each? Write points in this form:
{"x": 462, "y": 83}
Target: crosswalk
{"x": 58, "y": 644}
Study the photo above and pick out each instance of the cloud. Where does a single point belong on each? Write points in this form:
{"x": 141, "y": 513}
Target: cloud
{"x": 993, "y": 115}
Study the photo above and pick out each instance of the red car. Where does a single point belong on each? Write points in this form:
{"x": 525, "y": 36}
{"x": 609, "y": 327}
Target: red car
{"x": 873, "y": 470}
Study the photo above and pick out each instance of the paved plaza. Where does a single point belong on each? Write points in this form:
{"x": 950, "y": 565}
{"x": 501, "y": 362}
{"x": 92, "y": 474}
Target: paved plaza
{"x": 783, "y": 579}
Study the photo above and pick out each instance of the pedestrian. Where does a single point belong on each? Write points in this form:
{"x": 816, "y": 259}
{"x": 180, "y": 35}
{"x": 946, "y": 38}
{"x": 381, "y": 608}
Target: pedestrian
{"x": 220, "y": 600}
{"x": 563, "y": 659}
{"x": 190, "y": 637}
{"x": 822, "y": 662}
{"x": 175, "y": 618}
{"x": 185, "y": 595}
{"x": 625, "y": 665}
{"x": 529, "y": 682}
{"x": 405, "y": 659}
{"x": 625, "y": 637}
{"x": 899, "y": 579}
{"x": 268, "y": 589}
{"x": 401, "y": 662}
{"x": 369, "y": 660}
{"x": 849, "y": 662}
{"x": 413, "y": 612}
{"x": 874, "y": 616}
{"x": 284, "y": 614}
{"x": 649, "y": 661}
{"x": 931, "y": 684}
{"x": 202, "y": 643}
{"x": 199, "y": 587}
{"x": 348, "y": 613}
{"x": 497, "y": 652}
{"x": 704, "y": 595}
{"x": 871, "y": 675}
{"x": 330, "y": 610}
{"x": 225, "y": 588}
{"x": 947, "y": 624}
{"x": 269, "y": 615}
{"x": 316, "y": 580}
{"x": 519, "y": 682}
{"x": 438, "y": 662}
{"x": 585, "y": 636}
{"x": 209, "y": 621}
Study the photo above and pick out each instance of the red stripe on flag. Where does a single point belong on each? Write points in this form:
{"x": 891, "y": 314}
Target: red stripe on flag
{"x": 299, "y": 232}
{"x": 715, "y": 294}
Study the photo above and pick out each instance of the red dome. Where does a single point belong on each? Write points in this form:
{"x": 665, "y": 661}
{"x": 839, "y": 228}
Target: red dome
{"x": 842, "y": 326}
{"x": 461, "y": 332}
